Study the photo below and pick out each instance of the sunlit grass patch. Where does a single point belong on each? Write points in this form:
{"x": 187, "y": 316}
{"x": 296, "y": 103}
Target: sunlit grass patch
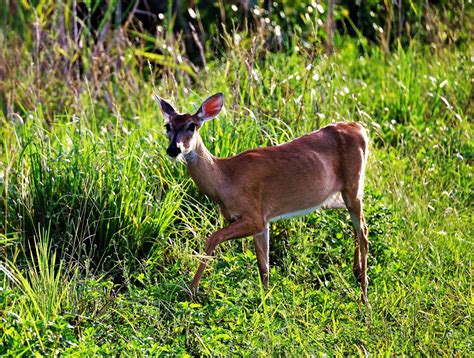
{"x": 101, "y": 231}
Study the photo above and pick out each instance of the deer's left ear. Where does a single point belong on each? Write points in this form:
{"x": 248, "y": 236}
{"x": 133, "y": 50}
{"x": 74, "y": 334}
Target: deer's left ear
{"x": 210, "y": 107}
{"x": 166, "y": 108}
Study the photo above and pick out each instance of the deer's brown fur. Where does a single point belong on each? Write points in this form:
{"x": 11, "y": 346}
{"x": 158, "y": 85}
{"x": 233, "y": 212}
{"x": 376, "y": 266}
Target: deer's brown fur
{"x": 265, "y": 184}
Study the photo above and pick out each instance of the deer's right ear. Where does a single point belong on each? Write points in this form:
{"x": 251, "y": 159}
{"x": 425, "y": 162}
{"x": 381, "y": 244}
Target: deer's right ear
{"x": 166, "y": 108}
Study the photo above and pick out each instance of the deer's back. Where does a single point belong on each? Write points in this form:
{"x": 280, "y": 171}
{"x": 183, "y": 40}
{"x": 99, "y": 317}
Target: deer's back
{"x": 299, "y": 174}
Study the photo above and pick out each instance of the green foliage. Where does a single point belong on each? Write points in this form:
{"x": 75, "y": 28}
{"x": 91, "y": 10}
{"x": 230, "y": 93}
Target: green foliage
{"x": 94, "y": 192}
{"x": 100, "y": 232}
{"x": 103, "y": 197}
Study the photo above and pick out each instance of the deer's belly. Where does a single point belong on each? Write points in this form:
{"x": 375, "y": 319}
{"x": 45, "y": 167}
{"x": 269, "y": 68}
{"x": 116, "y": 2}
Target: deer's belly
{"x": 332, "y": 202}
{"x": 295, "y": 213}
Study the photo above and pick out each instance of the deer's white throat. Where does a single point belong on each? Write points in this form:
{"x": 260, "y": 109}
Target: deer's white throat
{"x": 190, "y": 157}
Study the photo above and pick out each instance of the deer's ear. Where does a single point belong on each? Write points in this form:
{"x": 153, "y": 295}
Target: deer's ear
{"x": 210, "y": 107}
{"x": 166, "y": 108}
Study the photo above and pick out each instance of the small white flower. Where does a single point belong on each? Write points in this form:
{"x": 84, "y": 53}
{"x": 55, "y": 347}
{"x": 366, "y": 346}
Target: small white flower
{"x": 278, "y": 31}
{"x": 192, "y": 13}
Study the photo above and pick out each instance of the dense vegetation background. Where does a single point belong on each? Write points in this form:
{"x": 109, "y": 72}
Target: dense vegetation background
{"x": 100, "y": 232}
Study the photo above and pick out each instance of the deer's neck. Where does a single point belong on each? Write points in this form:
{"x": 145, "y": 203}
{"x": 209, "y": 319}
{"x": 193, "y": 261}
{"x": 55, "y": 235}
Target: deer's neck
{"x": 203, "y": 167}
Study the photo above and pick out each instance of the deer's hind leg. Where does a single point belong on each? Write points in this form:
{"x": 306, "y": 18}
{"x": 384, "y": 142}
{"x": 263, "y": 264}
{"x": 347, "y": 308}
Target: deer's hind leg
{"x": 354, "y": 205}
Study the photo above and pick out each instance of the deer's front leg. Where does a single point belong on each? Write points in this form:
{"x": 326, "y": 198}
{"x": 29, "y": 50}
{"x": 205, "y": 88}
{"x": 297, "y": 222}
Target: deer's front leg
{"x": 241, "y": 228}
{"x": 262, "y": 250}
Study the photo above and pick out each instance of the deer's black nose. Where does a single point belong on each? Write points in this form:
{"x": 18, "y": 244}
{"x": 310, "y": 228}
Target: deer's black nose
{"x": 173, "y": 151}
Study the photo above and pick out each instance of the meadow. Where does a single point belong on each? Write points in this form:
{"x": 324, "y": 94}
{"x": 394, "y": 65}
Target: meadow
{"x": 100, "y": 232}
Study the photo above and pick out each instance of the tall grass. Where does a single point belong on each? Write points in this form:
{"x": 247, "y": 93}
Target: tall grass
{"x": 100, "y": 231}
{"x": 42, "y": 282}
{"x": 122, "y": 224}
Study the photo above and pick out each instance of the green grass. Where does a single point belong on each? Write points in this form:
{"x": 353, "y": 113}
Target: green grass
{"x": 101, "y": 232}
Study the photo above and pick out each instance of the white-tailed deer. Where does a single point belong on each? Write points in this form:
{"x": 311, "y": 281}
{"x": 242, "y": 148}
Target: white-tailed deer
{"x": 262, "y": 185}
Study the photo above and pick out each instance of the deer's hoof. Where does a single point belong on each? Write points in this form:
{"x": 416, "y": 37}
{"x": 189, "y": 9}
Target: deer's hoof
{"x": 193, "y": 289}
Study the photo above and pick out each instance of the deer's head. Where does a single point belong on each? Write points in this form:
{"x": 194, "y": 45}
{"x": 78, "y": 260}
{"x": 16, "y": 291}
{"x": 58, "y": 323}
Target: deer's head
{"x": 182, "y": 129}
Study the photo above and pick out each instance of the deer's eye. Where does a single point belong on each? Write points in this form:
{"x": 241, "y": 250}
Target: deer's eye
{"x": 192, "y": 127}
{"x": 167, "y": 127}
